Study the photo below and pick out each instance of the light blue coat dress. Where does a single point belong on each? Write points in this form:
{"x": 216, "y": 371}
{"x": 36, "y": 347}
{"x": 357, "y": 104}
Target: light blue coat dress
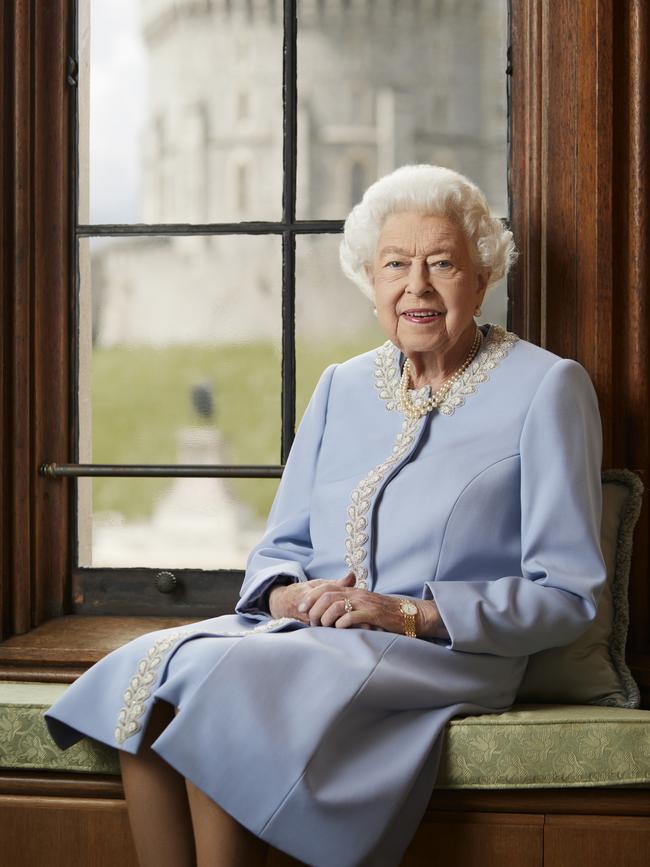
{"x": 325, "y": 742}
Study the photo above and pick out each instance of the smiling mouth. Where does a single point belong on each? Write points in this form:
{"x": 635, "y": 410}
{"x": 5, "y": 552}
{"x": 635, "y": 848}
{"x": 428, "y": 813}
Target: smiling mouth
{"x": 423, "y": 316}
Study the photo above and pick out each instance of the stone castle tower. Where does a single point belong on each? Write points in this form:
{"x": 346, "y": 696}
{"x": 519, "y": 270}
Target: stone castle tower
{"x": 380, "y": 83}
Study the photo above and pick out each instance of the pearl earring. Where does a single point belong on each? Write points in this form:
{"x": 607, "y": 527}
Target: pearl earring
{"x": 477, "y": 310}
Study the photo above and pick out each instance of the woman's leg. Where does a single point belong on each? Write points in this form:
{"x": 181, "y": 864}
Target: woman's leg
{"x": 220, "y": 840}
{"x": 157, "y": 803}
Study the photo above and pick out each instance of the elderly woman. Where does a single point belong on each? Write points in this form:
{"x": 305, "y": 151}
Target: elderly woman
{"x": 437, "y": 522}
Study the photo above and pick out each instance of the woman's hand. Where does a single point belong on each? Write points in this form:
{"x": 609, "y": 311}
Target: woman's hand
{"x": 287, "y": 600}
{"x": 325, "y": 606}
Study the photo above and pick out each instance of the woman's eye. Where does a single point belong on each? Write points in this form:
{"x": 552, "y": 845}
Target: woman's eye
{"x": 394, "y": 264}
{"x": 441, "y": 264}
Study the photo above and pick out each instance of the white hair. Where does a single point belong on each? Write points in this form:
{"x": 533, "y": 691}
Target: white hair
{"x": 431, "y": 190}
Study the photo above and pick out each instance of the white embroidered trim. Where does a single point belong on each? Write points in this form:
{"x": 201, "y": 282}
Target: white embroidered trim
{"x": 387, "y": 374}
{"x": 495, "y": 347}
{"x": 355, "y": 543}
{"x": 141, "y": 684}
{"x": 387, "y": 381}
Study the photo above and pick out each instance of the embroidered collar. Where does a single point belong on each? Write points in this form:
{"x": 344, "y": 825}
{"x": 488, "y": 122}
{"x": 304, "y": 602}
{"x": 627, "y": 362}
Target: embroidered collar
{"x": 496, "y": 344}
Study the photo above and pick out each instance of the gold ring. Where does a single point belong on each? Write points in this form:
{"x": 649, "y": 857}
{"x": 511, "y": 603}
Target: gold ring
{"x": 348, "y": 605}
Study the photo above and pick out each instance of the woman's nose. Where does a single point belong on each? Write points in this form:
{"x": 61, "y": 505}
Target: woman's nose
{"x": 418, "y": 279}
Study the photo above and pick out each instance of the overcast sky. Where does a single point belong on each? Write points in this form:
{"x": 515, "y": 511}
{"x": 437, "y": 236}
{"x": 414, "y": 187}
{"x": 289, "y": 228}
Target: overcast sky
{"x": 117, "y": 107}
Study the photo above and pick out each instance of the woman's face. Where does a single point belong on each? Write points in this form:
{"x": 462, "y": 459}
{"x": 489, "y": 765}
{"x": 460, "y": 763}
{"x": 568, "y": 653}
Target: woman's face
{"x": 425, "y": 282}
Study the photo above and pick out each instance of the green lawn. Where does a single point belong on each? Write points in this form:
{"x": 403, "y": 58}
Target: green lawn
{"x": 141, "y": 397}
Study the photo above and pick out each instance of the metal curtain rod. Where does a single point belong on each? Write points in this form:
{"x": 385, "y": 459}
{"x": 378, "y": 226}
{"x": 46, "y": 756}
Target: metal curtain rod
{"x": 208, "y": 471}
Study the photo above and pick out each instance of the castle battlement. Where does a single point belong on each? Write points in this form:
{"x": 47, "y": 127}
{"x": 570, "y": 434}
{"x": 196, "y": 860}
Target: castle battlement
{"x": 158, "y": 17}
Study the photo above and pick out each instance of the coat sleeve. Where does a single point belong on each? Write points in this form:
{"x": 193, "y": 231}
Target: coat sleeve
{"x": 562, "y": 571}
{"x": 286, "y": 546}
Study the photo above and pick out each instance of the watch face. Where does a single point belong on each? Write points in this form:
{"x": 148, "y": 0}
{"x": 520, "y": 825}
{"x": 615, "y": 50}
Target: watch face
{"x": 409, "y": 608}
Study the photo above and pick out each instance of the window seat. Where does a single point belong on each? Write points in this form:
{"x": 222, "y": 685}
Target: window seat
{"x": 528, "y": 747}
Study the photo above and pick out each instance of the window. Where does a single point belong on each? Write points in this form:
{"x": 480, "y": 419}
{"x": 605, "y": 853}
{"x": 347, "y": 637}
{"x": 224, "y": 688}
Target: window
{"x": 242, "y": 186}
{"x": 178, "y": 298}
{"x": 243, "y": 106}
{"x": 151, "y": 251}
{"x": 576, "y": 158}
{"x": 357, "y": 182}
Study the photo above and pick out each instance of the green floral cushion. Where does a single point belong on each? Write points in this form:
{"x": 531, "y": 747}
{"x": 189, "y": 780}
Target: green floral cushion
{"x": 532, "y": 747}
{"x": 527, "y": 747}
{"x": 592, "y": 670}
{"x": 25, "y": 741}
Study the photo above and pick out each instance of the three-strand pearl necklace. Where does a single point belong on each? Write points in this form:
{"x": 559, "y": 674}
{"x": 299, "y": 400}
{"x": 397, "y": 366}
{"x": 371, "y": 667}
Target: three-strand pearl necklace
{"x": 419, "y": 407}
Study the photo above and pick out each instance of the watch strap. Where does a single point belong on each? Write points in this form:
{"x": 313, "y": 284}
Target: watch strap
{"x": 409, "y": 620}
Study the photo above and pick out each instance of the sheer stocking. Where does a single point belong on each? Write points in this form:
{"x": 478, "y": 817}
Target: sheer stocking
{"x": 168, "y": 814}
{"x": 220, "y": 840}
{"x": 157, "y": 803}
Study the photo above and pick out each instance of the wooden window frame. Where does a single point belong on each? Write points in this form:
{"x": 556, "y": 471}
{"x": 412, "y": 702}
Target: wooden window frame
{"x": 581, "y": 207}
{"x": 579, "y": 210}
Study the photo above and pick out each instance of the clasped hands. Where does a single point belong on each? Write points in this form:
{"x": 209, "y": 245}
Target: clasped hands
{"x": 321, "y": 602}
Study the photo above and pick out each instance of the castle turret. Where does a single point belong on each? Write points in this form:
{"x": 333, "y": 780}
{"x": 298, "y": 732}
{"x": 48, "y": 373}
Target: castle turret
{"x": 380, "y": 83}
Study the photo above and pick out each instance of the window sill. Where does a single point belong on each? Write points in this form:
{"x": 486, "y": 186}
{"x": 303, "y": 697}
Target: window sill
{"x": 62, "y": 649}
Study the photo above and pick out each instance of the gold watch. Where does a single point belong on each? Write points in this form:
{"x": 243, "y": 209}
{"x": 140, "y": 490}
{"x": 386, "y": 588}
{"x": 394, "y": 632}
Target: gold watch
{"x": 410, "y": 611}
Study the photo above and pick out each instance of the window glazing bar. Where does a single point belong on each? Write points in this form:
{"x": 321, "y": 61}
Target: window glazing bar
{"x": 289, "y": 158}
{"x": 302, "y": 227}
{"x": 208, "y": 471}
{"x": 297, "y": 227}
{"x": 506, "y": 221}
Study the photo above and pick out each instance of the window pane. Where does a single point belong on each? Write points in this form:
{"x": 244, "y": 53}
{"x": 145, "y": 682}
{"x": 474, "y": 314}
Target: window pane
{"x": 334, "y": 319}
{"x": 180, "y": 350}
{"x": 495, "y": 305}
{"x": 182, "y": 523}
{"x": 424, "y": 82}
{"x": 185, "y": 115}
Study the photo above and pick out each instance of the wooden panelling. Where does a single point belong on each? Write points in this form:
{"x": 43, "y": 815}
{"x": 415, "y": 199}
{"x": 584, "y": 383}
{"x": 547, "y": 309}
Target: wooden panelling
{"x": 466, "y": 840}
{"x": 581, "y": 201}
{"x": 525, "y": 178}
{"x": 36, "y": 324}
{"x": 603, "y": 802}
{"x": 631, "y": 327}
{"x": 15, "y": 370}
{"x": 591, "y": 801}
{"x": 54, "y": 303}
{"x": 65, "y": 832}
{"x": 561, "y": 183}
{"x": 517, "y": 829}
{"x": 591, "y": 841}
{"x": 470, "y": 839}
